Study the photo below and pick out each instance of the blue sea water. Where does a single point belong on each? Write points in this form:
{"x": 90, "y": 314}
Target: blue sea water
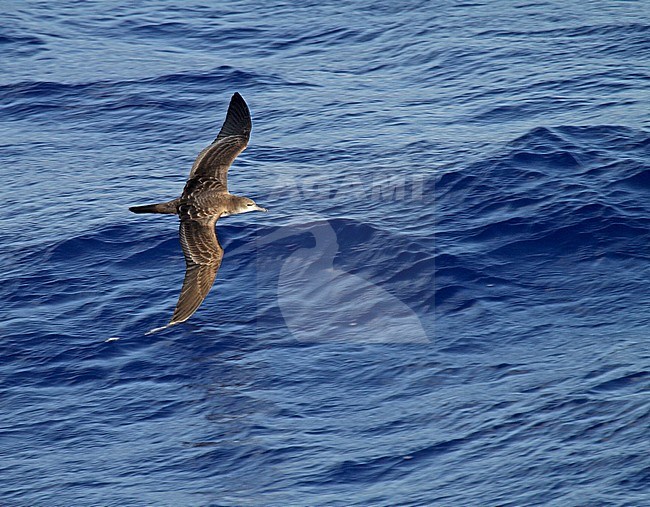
{"x": 447, "y": 304}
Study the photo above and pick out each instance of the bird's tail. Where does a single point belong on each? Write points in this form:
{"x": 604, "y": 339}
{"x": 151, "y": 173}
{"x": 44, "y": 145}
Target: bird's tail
{"x": 162, "y": 207}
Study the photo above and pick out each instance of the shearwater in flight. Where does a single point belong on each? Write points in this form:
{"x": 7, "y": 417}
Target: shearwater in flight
{"x": 204, "y": 200}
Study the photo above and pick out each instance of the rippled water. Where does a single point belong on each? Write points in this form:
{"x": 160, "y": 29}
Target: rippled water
{"x": 447, "y": 304}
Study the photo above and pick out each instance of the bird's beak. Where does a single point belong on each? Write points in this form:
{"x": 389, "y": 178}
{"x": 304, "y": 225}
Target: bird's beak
{"x": 259, "y": 208}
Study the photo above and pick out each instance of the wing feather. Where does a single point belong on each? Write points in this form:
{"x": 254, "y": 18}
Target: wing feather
{"x": 232, "y": 139}
{"x": 203, "y": 255}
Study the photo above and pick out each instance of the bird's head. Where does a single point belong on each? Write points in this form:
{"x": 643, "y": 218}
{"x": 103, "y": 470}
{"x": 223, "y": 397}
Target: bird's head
{"x": 242, "y": 205}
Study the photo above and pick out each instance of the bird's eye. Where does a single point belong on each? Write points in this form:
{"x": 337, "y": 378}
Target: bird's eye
{"x": 249, "y": 204}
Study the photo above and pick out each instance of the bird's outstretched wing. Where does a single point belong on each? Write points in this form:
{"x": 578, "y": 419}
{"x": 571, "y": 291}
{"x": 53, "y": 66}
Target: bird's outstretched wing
{"x": 203, "y": 255}
{"x": 233, "y": 137}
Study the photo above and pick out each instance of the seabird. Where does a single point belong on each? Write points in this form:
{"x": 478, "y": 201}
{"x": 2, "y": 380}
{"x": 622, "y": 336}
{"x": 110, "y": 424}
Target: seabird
{"x": 204, "y": 200}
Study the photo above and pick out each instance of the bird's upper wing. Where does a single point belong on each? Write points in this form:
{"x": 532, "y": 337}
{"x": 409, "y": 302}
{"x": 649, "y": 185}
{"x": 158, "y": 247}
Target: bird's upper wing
{"x": 233, "y": 137}
{"x": 203, "y": 255}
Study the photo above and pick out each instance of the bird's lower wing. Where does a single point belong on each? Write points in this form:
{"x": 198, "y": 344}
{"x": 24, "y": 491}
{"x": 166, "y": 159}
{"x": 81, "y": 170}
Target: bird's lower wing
{"x": 203, "y": 255}
{"x": 197, "y": 284}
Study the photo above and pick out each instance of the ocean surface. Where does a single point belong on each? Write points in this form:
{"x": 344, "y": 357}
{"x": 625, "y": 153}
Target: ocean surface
{"x": 448, "y": 303}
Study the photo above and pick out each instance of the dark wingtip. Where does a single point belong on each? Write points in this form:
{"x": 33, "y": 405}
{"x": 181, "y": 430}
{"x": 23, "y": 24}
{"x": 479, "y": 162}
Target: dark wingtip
{"x": 238, "y": 119}
{"x": 238, "y": 102}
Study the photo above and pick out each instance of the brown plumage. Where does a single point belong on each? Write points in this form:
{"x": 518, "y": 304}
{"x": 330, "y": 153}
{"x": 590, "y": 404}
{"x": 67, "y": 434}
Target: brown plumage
{"x": 205, "y": 198}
